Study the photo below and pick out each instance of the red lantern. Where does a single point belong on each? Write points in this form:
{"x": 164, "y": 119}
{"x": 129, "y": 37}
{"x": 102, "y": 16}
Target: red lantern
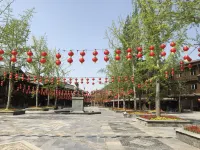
{"x": 151, "y": 54}
{"x": 14, "y": 52}
{"x": 182, "y": 68}
{"x": 81, "y": 60}
{"x": 44, "y": 54}
{"x": 82, "y": 53}
{"x": 139, "y": 55}
{"x": 163, "y": 54}
{"x": 173, "y": 50}
{"x": 172, "y": 72}
{"x": 139, "y": 86}
{"x": 29, "y": 60}
{"x": 70, "y": 60}
{"x": 151, "y": 47}
{"x": 58, "y": 62}
{"x": 189, "y": 66}
{"x": 42, "y": 60}
{"x": 29, "y": 53}
{"x": 117, "y": 57}
{"x": 1, "y": 58}
{"x": 129, "y": 50}
{"x": 181, "y": 62}
{"x": 95, "y": 53}
{"x": 185, "y": 48}
{"x": 106, "y": 58}
{"x": 118, "y": 51}
{"x": 13, "y": 59}
{"x": 95, "y": 59}
{"x": 58, "y": 56}
{"x": 129, "y": 56}
{"x": 172, "y": 44}
{"x": 106, "y": 52}
{"x": 162, "y": 46}
{"x": 139, "y": 49}
{"x": 70, "y": 53}
{"x": 1, "y": 52}
{"x": 166, "y": 74}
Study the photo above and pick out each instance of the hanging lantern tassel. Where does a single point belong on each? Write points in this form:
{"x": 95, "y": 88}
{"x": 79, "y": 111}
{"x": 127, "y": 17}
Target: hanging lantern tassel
{"x": 173, "y": 49}
{"x": 166, "y": 74}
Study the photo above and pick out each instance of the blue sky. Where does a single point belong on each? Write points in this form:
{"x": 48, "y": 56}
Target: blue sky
{"x": 75, "y": 24}
{"x": 78, "y": 25}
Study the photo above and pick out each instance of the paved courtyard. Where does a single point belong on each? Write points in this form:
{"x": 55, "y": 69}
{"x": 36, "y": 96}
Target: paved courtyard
{"x": 106, "y": 131}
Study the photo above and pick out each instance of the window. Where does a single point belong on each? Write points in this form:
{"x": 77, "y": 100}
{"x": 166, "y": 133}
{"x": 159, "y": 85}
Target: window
{"x": 194, "y": 86}
{"x": 193, "y": 72}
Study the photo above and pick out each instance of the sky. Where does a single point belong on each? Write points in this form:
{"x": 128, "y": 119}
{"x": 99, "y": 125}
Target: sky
{"x": 77, "y": 25}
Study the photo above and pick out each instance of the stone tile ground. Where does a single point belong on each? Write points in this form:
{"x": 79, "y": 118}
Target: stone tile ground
{"x": 106, "y": 131}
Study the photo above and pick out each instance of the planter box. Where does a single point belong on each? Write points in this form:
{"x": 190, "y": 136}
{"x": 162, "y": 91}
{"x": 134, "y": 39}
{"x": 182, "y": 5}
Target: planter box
{"x": 163, "y": 123}
{"x": 16, "y": 112}
{"x": 188, "y": 137}
{"x": 37, "y": 109}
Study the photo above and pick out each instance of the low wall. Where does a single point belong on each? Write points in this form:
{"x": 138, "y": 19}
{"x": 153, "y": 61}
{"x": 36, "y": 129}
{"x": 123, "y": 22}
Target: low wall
{"x": 188, "y": 137}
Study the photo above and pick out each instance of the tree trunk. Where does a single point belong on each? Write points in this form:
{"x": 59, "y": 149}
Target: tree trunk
{"x": 134, "y": 89}
{"x": 48, "y": 99}
{"x": 179, "y": 103}
{"x": 118, "y": 95}
{"x": 157, "y": 98}
{"x": 56, "y": 98}
{"x": 9, "y": 94}
{"x": 135, "y": 98}
{"x": 36, "y": 94}
{"x": 140, "y": 100}
{"x": 124, "y": 103}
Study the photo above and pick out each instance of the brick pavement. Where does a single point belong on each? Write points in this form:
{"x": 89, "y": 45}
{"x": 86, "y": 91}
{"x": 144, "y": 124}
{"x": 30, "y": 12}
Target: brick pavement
{"x": 106, "y": 131}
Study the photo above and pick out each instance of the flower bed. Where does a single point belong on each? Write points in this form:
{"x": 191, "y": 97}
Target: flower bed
{"x": 193, "y": 128}
{"x": 163, "y": 121}
{"x": 163, "y": 117}
{"x": 11, "y": 111}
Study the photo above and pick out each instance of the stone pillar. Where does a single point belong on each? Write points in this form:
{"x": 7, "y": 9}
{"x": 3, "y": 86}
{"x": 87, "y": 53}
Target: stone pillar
{"x": 77, "y": 104}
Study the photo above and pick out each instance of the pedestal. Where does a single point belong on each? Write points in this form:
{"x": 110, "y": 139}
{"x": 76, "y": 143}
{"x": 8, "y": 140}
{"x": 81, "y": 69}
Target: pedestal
{"x": 77, "y": 104}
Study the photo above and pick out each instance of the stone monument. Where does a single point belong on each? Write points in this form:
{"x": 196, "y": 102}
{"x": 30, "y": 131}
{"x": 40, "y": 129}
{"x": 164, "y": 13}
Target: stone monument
{"x": 77, "y": 101}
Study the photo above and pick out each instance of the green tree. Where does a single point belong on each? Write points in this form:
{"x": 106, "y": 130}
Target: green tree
{"x": 37, "y": 68}
{"x": 14, "y": 35}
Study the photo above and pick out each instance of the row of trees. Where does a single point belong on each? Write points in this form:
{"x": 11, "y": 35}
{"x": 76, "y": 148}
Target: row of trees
{"x": 14, "y": 36}
{"x": 151, "y": 23}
